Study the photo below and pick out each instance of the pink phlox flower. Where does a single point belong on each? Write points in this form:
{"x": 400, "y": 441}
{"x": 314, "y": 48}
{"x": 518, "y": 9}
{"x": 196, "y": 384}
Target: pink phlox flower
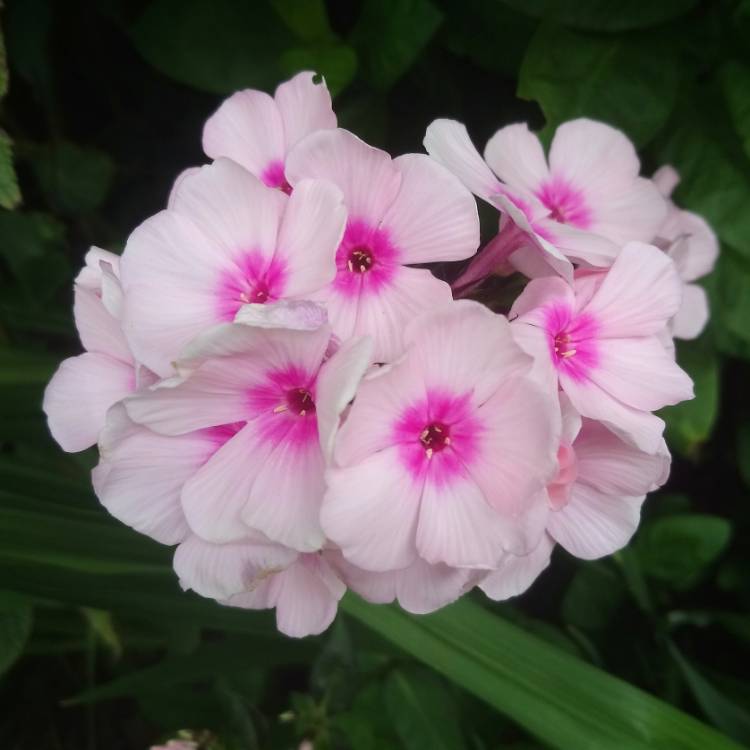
{"x": 84, "y": 387}
{"x": 402, "y": 211}
{"x": 258, "y": 131}
{"x": 284, "y": 395}
{"x": 227, "y": 240}
{"x": 444, "y": 455}
{"x": 584, "y": 202}
{"x": 253, "y": 573}
{"x": 600, "y": 340}
{"x": 692, "y": 245}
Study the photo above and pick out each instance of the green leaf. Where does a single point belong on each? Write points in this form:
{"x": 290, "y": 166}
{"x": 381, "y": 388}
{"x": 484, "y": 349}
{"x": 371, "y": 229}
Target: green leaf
{"x": 422, "y": 710}
{"x": 735, "y": 82}
{"x": 593, "y": 597}
{"x": 727, "y": 715}
{"x": 15, "y": 626}
{"x": 221, "y": 46}
{"x": 337, "y": 61}
{"x": 743, "y": 452}
{"x": 75, "y": 180}
{"x": 227, "y": 45}
{"x": 677, "y": 549}
{"x": 390, "y": 35}
{"x": 563, "y": 701}
{"x": 628, "y": 81}
{"x": 712, "y": 184}
{"x": 604, "y": 15}
{"x": 10, "y": 194}
{"x": 490, "y": 34}
{"x": 690, "y": 423}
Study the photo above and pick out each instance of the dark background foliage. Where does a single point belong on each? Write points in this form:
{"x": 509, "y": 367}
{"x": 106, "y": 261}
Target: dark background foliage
{"x": 103, "y": 104}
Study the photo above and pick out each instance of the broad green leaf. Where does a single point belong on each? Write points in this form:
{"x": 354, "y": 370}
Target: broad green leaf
{"x": 221, "y": 46}
{"x": 15, "y": 626}
{"x": 74, "y": 179}
{"x": 690, "y": 423}
{"x": 563, "y": 701}
{"x": 10, "y": 195}
{"x": 725, "y": 713}
{"x": 390, "y": 35}
{"x": 735, "y": 83}
{"x": 227, "y": 45}
{"x": 677, "y": 549}
{"x": 626, "y": 81}
{"x": 32, "y": 246}
{"x": 18, "y": 367}
{"x": 604, "y": 15}
{"x": 233, "y": 656}
{"x": 489, "y": 33}
{"x": 422, "y": 710}
{"x": 338, "y": 61}
{"x": 593, "y": 597}
{"x": 712, "y": 182}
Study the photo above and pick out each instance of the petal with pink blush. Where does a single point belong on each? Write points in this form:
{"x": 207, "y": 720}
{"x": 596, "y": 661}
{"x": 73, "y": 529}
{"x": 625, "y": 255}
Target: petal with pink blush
{"x": 516, "y": 573}
{"x": 447, "y": 342}
{"x": 369, "y": 425}
{"x": 693, "y": 314}
{"x": 420, "y": 588}
{"x": 216, "y": 394}
{"x": 365, "y": 175}
{"x": 434, "y": 217}
{"x": 337, "y": 385}
{"x": 300, "y": 315}
{"x": 90, "y": 276}
{"x": 638, "y": 295}
{"x": 99, "y": 331}
{"x": 219, "y": 571}
{"x": 79, "y": 394}
{"x": 593, "y": 524}
{"x": 213, "y": 498}
{"x": 666, "y": 179}
{"x": 640, "y": 428}
{"x": 633, "y": 212}
{"x": 311, "y": 230}
{"x": 174, "y": 192}
{"x": 457, "y": 526}
{"x": 584, "y": 246}
{"x": 593, "y": 154}
{"x": 639, "y": 373}
{"x": 284, "y": 500}
{"x": 613, "y": 467}
{"x": 305, "y": 106}
{"x": 248, "y": 129}
{"x": 170, "y": 274}
{"x": 232, "y": 208}
{"x": 385, "y": 315}
{"x": 140, "y": 475}
{"x": 516, "y": 157}
{"x": 538, "y": 295}
{"x": 694, "y": 248}
{"x": 448, "y": 142}
{"x": 306, "y": 595}
{"x": 370, "y": 511}
{"x": 518, "y": 454}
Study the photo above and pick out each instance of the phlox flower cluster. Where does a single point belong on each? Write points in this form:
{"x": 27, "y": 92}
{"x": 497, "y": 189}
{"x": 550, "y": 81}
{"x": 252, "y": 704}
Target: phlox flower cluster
{"x": 282, "y": 389}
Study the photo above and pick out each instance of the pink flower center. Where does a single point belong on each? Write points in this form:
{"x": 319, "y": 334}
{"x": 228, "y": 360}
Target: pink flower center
{"x": 435, "y": 437}
{"x": 273, "y": 176}
{"x": 254, "y": 279}
{"x": 299, "y": 401}
{"x": 572, "y": 341}
{"x": 566, "y": 203}
{"x": 360, "y": 260}
{"x": 438, "y": 436}
{"x": 366, "y": 260}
